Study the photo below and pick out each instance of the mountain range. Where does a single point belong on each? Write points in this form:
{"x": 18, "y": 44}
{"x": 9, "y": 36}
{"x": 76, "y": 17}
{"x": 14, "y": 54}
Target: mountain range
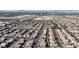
{"x": 40, "y": 11}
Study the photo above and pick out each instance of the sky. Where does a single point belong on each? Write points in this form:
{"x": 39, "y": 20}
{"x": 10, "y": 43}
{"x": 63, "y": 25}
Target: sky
{"x": 39, "y": 5}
